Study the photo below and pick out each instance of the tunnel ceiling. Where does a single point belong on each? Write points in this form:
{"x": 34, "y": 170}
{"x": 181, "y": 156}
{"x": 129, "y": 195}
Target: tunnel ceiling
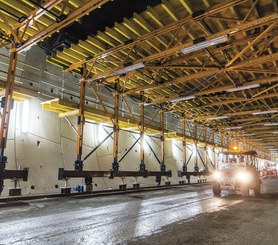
{"x": 210, "y": 61}
{"x": 95, "y": 22}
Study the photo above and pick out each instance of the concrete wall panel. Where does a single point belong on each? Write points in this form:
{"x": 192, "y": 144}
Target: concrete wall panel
{"x": 50, "y": 143}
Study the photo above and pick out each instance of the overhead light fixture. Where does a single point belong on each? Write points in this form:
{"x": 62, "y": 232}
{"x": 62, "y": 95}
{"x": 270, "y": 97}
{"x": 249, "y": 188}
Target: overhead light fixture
{"x": 270, "y": 124}
{"x": 189, "y": 97}
{"x": 246, "y": 135}
{"x": 230, "y": 90}
{"x": 232, "y": 128}
{"x": 275, "y": 132}
{"x": 129, "y": 68}
{"x": 205, "y": 44}
{"x": 217, "y": 118}
{"x": 257, "y": 139}
{"x": 264, "y": 112}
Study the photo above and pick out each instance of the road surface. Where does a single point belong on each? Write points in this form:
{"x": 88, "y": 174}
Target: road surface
{"x": 181, "y": 215}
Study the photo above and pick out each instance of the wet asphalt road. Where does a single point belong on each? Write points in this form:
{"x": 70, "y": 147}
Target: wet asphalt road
{"x": 181, "y": 215}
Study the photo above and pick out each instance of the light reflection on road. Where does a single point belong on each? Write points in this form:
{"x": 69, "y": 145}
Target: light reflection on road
{"x": 106, "y": 220}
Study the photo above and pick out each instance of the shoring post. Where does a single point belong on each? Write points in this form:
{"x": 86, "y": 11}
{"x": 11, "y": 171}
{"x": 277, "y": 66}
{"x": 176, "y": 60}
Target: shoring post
{"x": 184, "y": 166}
{"x": 80, "y": 121}
{"x": 213, "y": 150}
{"x": 115, "y": 164}
{"x": 162, "y": 142}
{"x": 225, "y": 142}
{"x": 205, "y": 148}
{"x": 196, "y": 168}
{"x": 228, "y": 141}
{"x": 142, "y": 166}
{"x": 221, "y": 139}
{"x": 7, "y": 104}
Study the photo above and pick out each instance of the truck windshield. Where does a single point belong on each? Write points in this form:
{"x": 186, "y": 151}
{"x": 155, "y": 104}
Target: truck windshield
{"x": 232, "y": 161}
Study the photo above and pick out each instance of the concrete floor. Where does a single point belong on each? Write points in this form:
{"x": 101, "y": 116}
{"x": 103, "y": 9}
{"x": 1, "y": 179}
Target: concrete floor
{"x": 182, "y": 215}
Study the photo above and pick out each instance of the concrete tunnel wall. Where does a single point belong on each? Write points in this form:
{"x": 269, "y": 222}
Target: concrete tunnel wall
{"x": 41, "y": 141}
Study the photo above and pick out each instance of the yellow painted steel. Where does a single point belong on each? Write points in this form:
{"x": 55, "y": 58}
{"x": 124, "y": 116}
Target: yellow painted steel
{"x": 60, "y": 107}
{"x": 13, "y": 8}
{"x": 19, "y": 97}
{"x": 130, "y": 29}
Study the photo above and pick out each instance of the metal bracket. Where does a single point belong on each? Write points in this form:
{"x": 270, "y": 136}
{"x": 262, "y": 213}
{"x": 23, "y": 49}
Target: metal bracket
{"x": 15, "y": 174}
{"x": 65, "y": 174}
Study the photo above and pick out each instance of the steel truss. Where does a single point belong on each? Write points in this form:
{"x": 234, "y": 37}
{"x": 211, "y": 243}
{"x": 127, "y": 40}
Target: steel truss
{"x": 20, "y": 42}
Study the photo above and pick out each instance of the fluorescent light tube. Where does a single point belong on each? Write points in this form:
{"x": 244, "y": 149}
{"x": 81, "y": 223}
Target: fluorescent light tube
{"x": 246, "y": 135}
{"x": 275, "y": 132}
{"x": 230, "y": 90}
{"x": 129, "y": 68}
{"x": 257, "y": 139}
{"x": 205, "y": 44}
{"x": 189, "y": 97}
{"x": 231, "y": 128}
{"x": 217, "y": 118}
{"x": 264, "y": 112}
{"x": 270, "y": 124}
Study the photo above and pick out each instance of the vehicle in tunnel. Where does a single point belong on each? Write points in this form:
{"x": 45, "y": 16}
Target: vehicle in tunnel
{"x": 268, "y": 170}
{"x": 237, "y": 171}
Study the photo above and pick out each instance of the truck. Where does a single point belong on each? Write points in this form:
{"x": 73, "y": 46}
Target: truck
{"x": 237, "y": 170}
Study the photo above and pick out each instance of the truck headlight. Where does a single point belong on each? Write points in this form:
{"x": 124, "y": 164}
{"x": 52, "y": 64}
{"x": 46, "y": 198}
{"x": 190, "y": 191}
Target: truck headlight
{"x": 243, "y": 177}
{"x": 217, "y": 175}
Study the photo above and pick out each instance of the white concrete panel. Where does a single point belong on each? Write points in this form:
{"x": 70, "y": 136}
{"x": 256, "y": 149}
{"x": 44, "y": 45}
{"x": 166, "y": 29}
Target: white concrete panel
{"x": 43, "y": 124}
{"x": 66, "y": 129}
{"x": 42, "y": 157}
{"x": 50, "y": 143}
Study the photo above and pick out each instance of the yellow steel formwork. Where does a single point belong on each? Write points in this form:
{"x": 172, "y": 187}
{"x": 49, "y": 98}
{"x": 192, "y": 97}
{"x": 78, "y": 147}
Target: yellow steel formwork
{"x": 156, "y": 37}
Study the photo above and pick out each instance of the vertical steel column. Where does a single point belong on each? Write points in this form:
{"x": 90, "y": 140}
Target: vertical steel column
{"x": 184, "y": 167}
{"x": 206, "y": 153}
{"x": 162, "y": 143}
{"x": 228, "y": 141}
{"x": 115, "y": 165}
{"x": 221, "y": 144}
{"x": 196, "y": 168}
{"x": 142, "y": 128}
{"x": 7, "y": 104}
{"x": 80, "y": 121}
{"x": 221, "y": 139}
{"x": 213, "y": 150}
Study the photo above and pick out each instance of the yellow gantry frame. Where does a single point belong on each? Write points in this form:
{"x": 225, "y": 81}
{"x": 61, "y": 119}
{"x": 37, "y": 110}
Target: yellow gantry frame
{"x": 39, "y": 20}
{"x": 41, "y": 24}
